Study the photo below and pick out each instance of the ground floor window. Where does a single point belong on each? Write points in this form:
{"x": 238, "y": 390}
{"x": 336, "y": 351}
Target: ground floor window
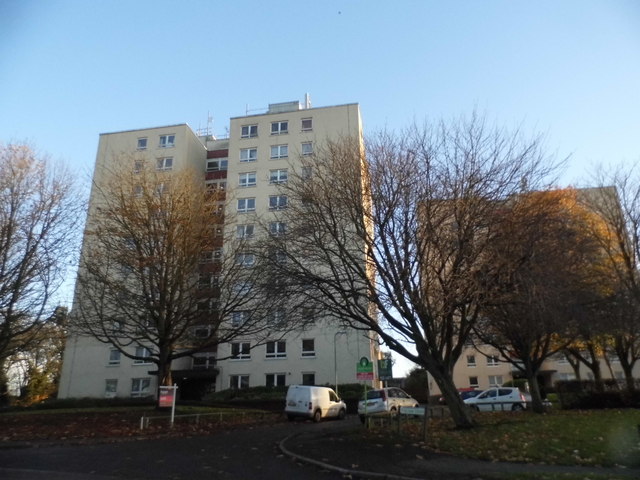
{"x": 308, "y": 378}
{"x": 140, "y": 387}
{"x": 495, "y": 380}
{"x": 110, "y": 388}
{"x": 473, "y": 382}
{"x": 276, "y": 379}
{"x": 238, "y": 381}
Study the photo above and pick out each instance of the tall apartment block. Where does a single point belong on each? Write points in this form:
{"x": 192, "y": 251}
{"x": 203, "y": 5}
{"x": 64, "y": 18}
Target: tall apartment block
{"x": 248, "y": 167}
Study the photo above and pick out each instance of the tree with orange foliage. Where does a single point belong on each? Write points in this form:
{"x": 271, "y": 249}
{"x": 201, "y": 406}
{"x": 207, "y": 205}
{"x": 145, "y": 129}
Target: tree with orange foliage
{"x": 540, "y": 280}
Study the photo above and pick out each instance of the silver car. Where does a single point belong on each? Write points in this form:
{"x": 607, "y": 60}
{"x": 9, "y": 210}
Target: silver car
{"x": 385, "y": 400}
{"x": 499, "y": 398}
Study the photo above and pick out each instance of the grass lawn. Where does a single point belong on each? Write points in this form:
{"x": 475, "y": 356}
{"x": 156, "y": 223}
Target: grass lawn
{"x": 595, "y": 437}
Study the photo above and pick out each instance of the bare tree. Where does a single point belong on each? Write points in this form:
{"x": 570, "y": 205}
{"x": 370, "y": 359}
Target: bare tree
{"x": 393, "y": 234}
{"x": 618, "y": 206}
{"x": 543, "y": 280}
{"x": 159, "y": 277}
{"x": 39, "y": 208}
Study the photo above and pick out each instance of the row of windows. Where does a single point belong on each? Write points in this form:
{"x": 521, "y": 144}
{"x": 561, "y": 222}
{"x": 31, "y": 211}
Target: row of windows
{"x": 162, "y": 164}
{"x": 115, "y": 356}
{"x": 249, "y": 179}
{"x": 247, "y": 230}
{"x": 274, "y": 349}
{"x": 271, "y": 380}
{"x": 494, "y": 381}
{"x": 492, "y": 361}
{"x": 248, "y": 204}
{"x": 279, "y": 127}
{"x": 165, "y": 141}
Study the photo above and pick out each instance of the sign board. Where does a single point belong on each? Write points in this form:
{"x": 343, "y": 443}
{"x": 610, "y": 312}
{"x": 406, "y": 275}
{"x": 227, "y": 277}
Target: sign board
{"x": 166, "y": 396}
{"x": 417, "y": 411}
{"x": 364, "y": 369}
{"x": 385, "y": 369}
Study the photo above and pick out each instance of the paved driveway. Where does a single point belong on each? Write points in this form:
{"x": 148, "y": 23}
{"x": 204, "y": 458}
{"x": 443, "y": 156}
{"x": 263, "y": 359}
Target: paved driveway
{"x": 243, "y": 453}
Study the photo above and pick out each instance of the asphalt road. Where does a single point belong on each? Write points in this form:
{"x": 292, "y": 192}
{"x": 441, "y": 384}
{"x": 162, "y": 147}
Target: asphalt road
{"x": 242, "y": 453}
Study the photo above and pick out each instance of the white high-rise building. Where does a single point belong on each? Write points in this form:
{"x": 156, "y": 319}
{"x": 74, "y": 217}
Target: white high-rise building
{"x": 258, "y": 156}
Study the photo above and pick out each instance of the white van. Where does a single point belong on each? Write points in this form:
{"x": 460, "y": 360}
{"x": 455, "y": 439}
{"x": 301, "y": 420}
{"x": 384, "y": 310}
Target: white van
{"x": 313, "y": 402}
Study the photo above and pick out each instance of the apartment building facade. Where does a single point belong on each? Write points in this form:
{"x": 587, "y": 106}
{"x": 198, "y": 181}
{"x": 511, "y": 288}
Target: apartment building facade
{"x": 245, "y": 170}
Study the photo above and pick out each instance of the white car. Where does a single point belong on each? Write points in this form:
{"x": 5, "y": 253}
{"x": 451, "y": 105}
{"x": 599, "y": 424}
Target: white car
{"x": 313, "y": 402}
{"x": 385, "y": 400}
{"x": 499, "y": 398}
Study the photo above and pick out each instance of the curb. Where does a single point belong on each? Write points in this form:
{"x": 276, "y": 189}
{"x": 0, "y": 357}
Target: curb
{"x": 344, "y": 471}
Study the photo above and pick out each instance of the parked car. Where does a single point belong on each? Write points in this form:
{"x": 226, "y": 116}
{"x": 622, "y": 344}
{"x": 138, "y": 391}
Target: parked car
{"x": 499, "y": 398}
{"x": 385, "y": 400}
{"x": 464, "y": 394}
{"x": 313, "y": 402}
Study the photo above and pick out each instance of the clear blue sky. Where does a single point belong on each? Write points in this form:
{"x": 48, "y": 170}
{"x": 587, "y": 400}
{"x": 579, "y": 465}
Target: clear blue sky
{"x": 70, "y": 70}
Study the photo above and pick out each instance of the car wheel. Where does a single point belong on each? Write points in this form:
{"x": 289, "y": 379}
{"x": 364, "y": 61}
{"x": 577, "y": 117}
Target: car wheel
{"x": 342, "y": 414}
{"x": 317, "y": 416}
{"x": 290, "y": 417}
{"x": 393, "y": 412}
{"x": 476, "y": 408}
{"x": 362, "y": 419}
{"x": 517, "y": 407}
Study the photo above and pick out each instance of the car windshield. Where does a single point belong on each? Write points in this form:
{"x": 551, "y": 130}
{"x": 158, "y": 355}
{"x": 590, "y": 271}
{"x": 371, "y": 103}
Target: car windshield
{"x": 373, "y": 394}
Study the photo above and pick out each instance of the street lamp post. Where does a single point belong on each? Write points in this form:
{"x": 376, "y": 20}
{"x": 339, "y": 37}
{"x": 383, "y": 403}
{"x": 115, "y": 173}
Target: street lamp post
{"x": 335, "y": 357}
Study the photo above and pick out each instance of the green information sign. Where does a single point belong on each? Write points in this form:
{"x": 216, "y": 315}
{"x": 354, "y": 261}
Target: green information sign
{"x": 384, "y": 369}
{"x": 365, "y": 366}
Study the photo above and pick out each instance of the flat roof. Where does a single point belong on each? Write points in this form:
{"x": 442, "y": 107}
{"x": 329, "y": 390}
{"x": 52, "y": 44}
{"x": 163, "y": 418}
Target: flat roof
{"x": 150, "y": 128}
{"x": 294, "y": 111}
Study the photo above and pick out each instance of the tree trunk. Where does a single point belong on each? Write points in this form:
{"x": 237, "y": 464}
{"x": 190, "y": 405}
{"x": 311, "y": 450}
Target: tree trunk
{"x": 534, "y": 389}
{"x": 460, "y": 413}
{"x": 4, "y": 385}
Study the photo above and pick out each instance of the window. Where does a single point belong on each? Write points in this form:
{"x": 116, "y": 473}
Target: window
{"x": 277, "y": 349}
{"x": 307, "y": 148}
{"x": 280, "y": 257}
{"x": 279, "y": 151}
{"x": 242, "y": 288}
{"x": 211, "y": 256}
{"x": 308, "y": 347}
{"x": 240, "y": 350}
{"x": 495, "y": 380}
{"x": 278, "y": 128}
{"x": 142, "y": 143}
{"x": 492, "y": 361}
{"x": 246, "y": 205}
{"x": 142, "y": 352}
{"x": 278, "y": 176}
{"x": 140, "y": 387}
{"x": 276, "y": 318}
{"x": 114, "y": 356}
{"x": 239, "y": 318}
{"x": 202, "y": 331}
{"x": 110, "y": 388}
{"x": 138, "y": 191}
{"x": 216, "y": 186}
{"x": 161, "y": 189}
{"x": 277, "y": 202}
{"x": 307, "y": 124}
{"x": 245, "y": 259}
{"x": 247, "y": 179}
{"x": 306, "y": 173}
{"x": 471, "y": 360}
{"x": 217, "y": 164}
{"x": 309, "y": 378}
{"x": 117, "y": 326}
{"x": 165, "y": 163}
{"x": 275, "y": 380}
{"x": 138, "y": 166}
{"x": 473, "y": 382}
{"x": 238, "y": 381}
{"x": 277, "y": 228}
{"x": 167, "y": 141}
{"x": 203, "y": 361}
{"x": 245, "y": 231}
{"x": 206, "y": 280}
{"x": 248, "y": 154}
{"x": 249, "y": 131}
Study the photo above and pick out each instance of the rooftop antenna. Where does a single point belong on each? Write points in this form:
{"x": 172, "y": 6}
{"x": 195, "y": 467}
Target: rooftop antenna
{"x": 307, "y": 100}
